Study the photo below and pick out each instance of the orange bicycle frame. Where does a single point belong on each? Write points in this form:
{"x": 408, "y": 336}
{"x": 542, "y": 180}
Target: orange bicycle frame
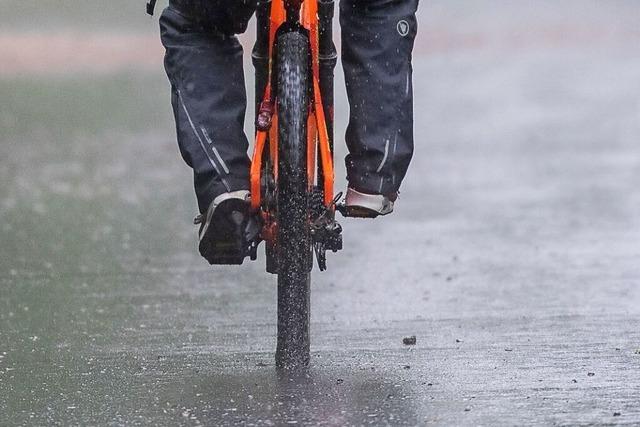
{"x": 318, "y": 130}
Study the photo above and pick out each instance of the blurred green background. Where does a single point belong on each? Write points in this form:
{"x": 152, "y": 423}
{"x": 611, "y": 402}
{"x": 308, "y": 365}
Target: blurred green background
{"x": 83, "y": 148}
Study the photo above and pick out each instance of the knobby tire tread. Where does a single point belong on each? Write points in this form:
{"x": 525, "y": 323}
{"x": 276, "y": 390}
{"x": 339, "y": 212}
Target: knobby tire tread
{"x": 294, "y": 241}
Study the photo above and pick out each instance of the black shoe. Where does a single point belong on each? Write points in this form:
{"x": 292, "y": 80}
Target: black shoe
{"x": 228, "y": 229}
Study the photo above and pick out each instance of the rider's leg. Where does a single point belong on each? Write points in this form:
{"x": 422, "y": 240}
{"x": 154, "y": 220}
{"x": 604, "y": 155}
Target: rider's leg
{"x": 377, "y": 41}
{"x": 204, "y": 64}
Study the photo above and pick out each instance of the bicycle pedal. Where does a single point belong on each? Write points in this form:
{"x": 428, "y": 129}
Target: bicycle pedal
{"x": 342, "y": 208}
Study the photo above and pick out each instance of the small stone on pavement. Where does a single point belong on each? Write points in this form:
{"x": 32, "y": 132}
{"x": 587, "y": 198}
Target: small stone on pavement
{"x": 409, "y": 340}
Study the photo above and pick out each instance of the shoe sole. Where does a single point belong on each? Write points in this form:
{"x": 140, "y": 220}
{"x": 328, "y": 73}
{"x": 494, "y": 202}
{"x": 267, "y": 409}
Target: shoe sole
{"x": 361, "y": 212}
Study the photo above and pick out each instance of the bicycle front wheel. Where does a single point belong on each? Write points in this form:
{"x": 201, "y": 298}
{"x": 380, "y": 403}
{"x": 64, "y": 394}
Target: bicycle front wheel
{"x": 294, "y": 240}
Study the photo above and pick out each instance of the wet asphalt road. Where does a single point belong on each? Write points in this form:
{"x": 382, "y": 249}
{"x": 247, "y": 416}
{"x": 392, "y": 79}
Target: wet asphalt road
{"x": 513, "y": 257}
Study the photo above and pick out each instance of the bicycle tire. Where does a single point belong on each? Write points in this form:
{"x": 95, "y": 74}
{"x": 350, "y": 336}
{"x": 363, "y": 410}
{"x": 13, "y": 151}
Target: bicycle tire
{"x": 293, "y": 215}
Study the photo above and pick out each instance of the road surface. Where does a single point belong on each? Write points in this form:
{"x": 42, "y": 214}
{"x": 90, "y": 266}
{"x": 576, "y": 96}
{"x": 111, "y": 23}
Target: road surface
{"x": 513, "y": 257}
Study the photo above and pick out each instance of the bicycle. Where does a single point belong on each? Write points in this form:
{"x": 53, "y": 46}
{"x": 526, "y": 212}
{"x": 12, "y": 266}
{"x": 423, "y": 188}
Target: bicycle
{"x": 292, "y": 174}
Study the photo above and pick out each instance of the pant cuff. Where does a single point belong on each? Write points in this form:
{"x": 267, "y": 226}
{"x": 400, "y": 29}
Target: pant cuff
{"x": 208, "y": 193}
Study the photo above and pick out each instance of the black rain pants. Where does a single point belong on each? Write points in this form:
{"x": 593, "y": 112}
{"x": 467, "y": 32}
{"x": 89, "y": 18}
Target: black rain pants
{"x": 205, "y": 67}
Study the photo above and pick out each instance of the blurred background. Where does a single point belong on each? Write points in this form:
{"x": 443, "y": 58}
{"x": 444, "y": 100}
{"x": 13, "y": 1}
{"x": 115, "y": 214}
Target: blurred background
{"x": 517, "y": 230}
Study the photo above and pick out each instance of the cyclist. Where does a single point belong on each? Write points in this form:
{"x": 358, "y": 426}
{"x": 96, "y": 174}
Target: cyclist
{"x": 204, "y": 64}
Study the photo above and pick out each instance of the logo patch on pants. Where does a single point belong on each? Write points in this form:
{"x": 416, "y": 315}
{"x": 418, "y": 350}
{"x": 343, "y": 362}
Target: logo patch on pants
{"x": 403, "y": 28}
